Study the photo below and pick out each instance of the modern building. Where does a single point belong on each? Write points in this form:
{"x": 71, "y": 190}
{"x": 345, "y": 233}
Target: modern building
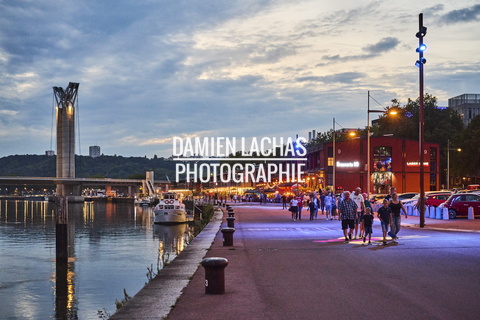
{"x": 94, "y": 151}
{"x": 467, "y": 105}
{"x": 394, "y": 162}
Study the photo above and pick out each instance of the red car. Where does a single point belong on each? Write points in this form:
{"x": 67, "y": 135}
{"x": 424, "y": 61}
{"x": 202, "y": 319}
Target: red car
{"x": 436, "y": 199}
{"x": 458, "y": 204}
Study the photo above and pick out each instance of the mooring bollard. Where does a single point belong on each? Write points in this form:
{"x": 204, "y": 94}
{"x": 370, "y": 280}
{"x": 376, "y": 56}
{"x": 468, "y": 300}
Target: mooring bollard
{"x": 231, "y": 222}
{"x": 231, "y": 213}
{"x": 214, "y": 274}
{"x": 228, "y": 236}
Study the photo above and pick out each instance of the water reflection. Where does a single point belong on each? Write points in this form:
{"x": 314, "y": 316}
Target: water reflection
{"x": 74, "y": 269}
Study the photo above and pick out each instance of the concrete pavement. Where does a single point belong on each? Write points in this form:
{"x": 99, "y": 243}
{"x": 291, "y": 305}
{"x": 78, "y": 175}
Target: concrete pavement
{"x": 276, "y": 271}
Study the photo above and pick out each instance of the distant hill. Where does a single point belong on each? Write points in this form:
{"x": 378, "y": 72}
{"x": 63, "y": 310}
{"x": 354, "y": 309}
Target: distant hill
{"x": 116, "y": 167}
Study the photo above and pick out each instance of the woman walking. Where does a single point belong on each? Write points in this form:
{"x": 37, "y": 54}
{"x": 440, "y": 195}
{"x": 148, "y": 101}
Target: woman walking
{"x": 396, "y": 206}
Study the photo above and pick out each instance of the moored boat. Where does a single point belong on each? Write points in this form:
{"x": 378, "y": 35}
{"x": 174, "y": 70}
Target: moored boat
{"x": 170, "y": 209}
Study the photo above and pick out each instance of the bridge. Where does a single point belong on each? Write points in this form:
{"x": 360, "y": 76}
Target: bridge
{"x": 128, "y": 186}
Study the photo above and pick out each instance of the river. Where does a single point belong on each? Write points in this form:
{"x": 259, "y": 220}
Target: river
{"x": 112, "y": 248}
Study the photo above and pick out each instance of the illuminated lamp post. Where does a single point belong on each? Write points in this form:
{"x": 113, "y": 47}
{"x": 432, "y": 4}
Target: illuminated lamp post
{"x": 391, "y": 112}
{"x": 422, "y": 31}
{"x": 334, "y": 133}
{"x": 448, "y": 161}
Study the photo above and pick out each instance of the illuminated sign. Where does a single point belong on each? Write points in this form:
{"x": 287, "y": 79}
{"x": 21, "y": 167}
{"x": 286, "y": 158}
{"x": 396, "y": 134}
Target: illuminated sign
{"x": 354, "y": 164}
{"x": 416, "y": 164}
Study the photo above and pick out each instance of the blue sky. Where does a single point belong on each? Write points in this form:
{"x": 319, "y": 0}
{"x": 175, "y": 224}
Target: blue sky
{"x": 152, "y": 70}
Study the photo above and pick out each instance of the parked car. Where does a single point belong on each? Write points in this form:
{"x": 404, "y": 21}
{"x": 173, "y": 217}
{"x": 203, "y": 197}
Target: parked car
{"x": 411, "y": 201}
{"x": 405, "y": 196}
{"x": 436, "y": 199}
{"x": 377, "y": 198}
{"x": 458, "y": 204}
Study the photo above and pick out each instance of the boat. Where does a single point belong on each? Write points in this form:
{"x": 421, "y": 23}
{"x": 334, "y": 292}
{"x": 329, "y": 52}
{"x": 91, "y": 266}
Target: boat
{"x": 143, "y": 201}
{"x": 170, "y": 209}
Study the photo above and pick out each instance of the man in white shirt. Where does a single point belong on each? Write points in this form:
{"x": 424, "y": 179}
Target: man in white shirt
{"x": 360, "y": 202}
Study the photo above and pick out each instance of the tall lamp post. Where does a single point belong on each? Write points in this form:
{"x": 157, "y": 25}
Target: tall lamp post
{"x": 448, "y": 161}
{"x": 422, "y": 31}
{"x": 391, "y": 112}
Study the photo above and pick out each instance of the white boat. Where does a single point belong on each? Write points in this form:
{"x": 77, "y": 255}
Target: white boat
{"x": 170, "y": 209}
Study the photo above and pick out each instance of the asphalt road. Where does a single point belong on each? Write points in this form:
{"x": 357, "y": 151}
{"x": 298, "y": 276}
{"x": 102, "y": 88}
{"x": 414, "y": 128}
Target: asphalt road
{"x": 280, "y": 269}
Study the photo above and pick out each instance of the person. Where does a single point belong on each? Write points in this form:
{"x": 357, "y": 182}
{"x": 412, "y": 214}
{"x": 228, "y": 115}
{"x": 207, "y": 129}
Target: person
{"x": 389, "y": 195}
{"x": 317, "y": 205}
{"x": 358, "y": 198}
{"x": 385, "y": 216}
{"x": 322, "y": 201}
{"x": 328, "y": 206}
{"x": 284, "y": 201}
{"x": 396, "y": 206}
{"x": 347, "y": 212}
{"x": 312, "y": 205}
{"x": 300, "y": 207}
{"x": 368, "y": 225}
{"x": 334, "y": 206}
{"x": 294, "y": 208}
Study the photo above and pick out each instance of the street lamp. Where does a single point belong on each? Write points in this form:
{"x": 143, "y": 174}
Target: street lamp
{"x": 448, "y": 161}
{"x": 391, "y": 112}
{"x": 422, "y": 31}
{"x": 335, "y": 152}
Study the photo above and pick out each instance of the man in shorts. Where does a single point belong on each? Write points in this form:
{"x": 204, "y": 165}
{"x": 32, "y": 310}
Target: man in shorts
{"x": 347, "y": 211}
{"x": 360, "y": 202}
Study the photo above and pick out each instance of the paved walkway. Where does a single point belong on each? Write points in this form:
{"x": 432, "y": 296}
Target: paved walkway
{"x": 244, "y": 299}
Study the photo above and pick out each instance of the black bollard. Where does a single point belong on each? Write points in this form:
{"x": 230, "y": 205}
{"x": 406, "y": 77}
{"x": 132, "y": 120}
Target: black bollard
{"x": 231, "y": 213}
{"x": 228, "y": 236}
{"x": 214, "y": 274}
{"x": 231, "y": 222}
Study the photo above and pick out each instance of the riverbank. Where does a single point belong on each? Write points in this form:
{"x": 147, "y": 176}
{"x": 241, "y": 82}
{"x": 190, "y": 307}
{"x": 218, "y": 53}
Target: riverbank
{"x": 157, "y": 298}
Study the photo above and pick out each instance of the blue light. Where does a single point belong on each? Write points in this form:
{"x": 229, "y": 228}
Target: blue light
{"x": 422, "y": 48}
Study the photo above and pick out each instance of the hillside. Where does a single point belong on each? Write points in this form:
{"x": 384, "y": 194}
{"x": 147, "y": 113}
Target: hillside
{"x": 116, "y": 167}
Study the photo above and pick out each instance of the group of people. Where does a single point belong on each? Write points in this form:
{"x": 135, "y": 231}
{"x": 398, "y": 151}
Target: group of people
{"x": 322, "y": 201}
{"x": 354, "y": 211}
{"x": 356, "y": 214}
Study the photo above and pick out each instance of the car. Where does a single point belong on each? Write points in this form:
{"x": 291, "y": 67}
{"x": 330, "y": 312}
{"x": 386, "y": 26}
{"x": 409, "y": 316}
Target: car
{"x": 436, "y": 199}
{"x": 458, "y": 204}
{"x": 411, "y": 201}
{"x": 405, "y": 196}
{"x": 377, "y": 198}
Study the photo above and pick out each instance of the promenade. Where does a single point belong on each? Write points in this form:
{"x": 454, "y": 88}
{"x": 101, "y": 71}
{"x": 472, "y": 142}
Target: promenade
{"x": 281, "y": 269}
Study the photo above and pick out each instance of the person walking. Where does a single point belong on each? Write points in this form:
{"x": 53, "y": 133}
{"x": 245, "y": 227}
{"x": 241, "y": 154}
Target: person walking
{"x": 396, "y": 206}
{"x": 328, "y": 206}
{"x": 385, "y": 216}
{"x": 294, "y": 208}
{"x": 358, "y": 198}
{"x": 300, "y": 207}
{"x": 368, "y": 225}
{"x": 322, "y": 201}
{"x": 284, "y": 202}
{"x": 312, "y": 205}
{"x": 347, "y": 211}
{"x": 389, "y": 195}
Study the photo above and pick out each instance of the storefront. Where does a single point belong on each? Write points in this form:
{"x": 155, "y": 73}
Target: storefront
{"x": 394, "y": 162}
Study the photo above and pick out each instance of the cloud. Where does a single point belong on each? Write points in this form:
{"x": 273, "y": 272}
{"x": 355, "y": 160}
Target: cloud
{"x": 462, "y": 15}
{"x": 372, "y": 51}
{"x": 346, "y": 77}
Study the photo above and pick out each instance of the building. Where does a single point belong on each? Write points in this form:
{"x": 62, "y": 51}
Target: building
{"x": 394, "y": 162}
{"x": 467, "y": 106}
{"x": 94, "y": 151}
{"x": 50, "y": 153}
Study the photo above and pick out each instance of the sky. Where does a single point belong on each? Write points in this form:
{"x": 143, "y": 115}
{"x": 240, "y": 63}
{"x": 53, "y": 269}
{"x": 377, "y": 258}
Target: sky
{"x": 155, "y": 69}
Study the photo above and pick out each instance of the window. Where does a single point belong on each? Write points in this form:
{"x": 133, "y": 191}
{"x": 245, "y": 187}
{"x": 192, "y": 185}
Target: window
{"x": 382, "y": 157}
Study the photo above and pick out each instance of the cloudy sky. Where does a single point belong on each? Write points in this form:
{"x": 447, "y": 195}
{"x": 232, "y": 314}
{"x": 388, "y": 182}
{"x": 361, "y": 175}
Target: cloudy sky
{"x": 150, "y": 70}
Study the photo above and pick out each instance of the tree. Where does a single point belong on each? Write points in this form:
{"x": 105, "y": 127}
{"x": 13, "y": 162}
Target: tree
{"x": 468, "y": 164}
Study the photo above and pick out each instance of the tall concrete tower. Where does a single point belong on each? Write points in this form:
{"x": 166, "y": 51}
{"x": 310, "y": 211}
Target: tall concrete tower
{"x": 66, "y": 100}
